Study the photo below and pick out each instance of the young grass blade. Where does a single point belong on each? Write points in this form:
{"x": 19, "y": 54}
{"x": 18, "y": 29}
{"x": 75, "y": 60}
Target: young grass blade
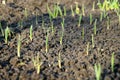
{"x": 80, "y": 19}
{"x": 112, "y": 62}
{"x": 73, "y": 14}
{"x": 91, "y": 19}
{"x": 95, "y": 23}
{"x": 77, "y": 10}
{"x": 83, "y": 10}
{"x": 97, "y": 71}
{"x": 7, "y": 33}
{"x": 64, "y": 11}
{"x": 37, "y": 63}
{"x": 18, "y": 45}
{"x": 47, "y": 41}
{"x": 59, "y": 60}
{"x": 93, "y": 7}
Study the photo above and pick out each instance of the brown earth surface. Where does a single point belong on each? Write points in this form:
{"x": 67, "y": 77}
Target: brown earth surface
{"x": 75, "y": 63}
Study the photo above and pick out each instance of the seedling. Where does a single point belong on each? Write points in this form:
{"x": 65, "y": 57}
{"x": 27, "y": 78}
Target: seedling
{"x": 25, "y": 13}
{"x": 112, "y": 62}
{"x": 91, "y": 19}
{"x": 47, "y": 46}
{"x": 93, "y": 7}
{"x": 31, "y": 32}
{"x": 1, "y": 29}
{"x": 95, "y": 26}
{"x": 73, "y": 14}
{"x": 93, "y": 45}
{"x": 108, "y": 23}
{"x": 108, "y": 5}
{"x": 61, "y": 38}
{"x": 80, "y": 19}
{"x": 64, "y": 11}
{"x": 57, "y": 10}
{"x": 101, "y": 16}
{"x": 83, "y": 10}
{"x": 83, "y": 33}
{"x": 7, "y": 34}
{"x": 97, "y": 71}
{"x": 52, "y": 27}
{"x": 37, "y": 63}
{"x": 77, "y": 10}
{"x": 18, "y": 45}
{"x": 59, "y": 60}
{"x": 63, "y": 24}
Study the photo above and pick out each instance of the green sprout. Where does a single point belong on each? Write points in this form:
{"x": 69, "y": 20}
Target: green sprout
{"x": 83, "y": 10}
{"x": 73, "y": 14}
{"x": 37, "y": 63}
{"x": 31, "y": 32}
{"x": 64, "y": 11}
{"x": 47, "y": 46}
{"x": 59, "y": 60}
{"x": 63, "y": 24}
{"x": 83, "y": 33}
{"x": 101, "y": 16}
{"x": 1, "y": 29}
{"x": 108, "y": 5}
{"x": 80, "y": 19}
{"x": 18, "y": 45}
{"x": 7, "y": 34}
{"x": 93, "y": 7}
{"x": 52, "y": 27}
{"x": 61, "y": 38}
{"x": 95, "y": 26}
{"x": 112, "y": 61}
{"x": 25, "y": 13}
{"x": 77, "y": 10}
{"x": 97, "y": 71}
{"x": 56, "y": 11}
{"x": 93, "y": 45}
{"x": 91, "y": 19}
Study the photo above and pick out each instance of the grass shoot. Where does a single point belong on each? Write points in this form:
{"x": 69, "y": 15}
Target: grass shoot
{"x": 72, "y": 11}
{"x": 112, "y": 62}
{"x": 59, "y": 60}
{"x": 37, "y": 63}
{"x": 18, "y": 45}
{"x": 95, "y": 23}
{"x": 97, "y": 71}
{"x": 47, "y": 46}
{"x": 91, "y": 19}
{"x": 31, "y": 32}
{"x": 80, "y": 19}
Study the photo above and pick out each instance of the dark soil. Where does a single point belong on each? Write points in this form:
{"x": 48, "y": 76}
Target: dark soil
{"x": 75, "y": 63}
